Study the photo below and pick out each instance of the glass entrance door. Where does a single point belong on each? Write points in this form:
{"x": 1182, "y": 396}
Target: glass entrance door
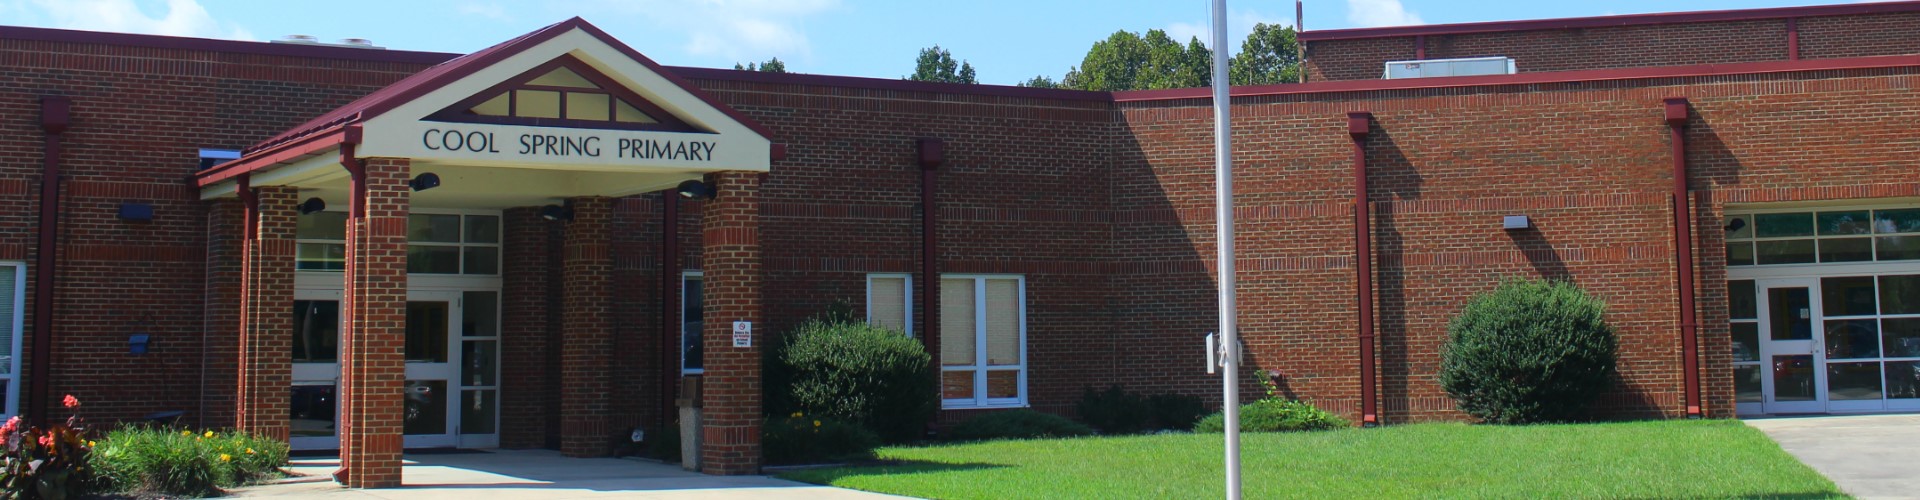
{"x": 450, "y": 393}
{"x": 431, "y": 318}
{"x": 1795, "y": 378}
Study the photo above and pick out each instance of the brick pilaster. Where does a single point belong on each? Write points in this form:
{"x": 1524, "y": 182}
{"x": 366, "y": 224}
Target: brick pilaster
{"x": 586, "y": 390}
{"x": 265, "y": 362}
{"x": 373, "y": 337}
{"x": 225, "y": 256}
{"x": 523, "y": 332}
{"x": 730, "y": 260}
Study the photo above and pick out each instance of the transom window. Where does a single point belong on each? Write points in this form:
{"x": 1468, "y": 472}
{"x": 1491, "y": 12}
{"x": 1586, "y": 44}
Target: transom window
{"x": 563, "y": 93}
{"x": 437, "y": 243}
{"x": 1823, "y": 236}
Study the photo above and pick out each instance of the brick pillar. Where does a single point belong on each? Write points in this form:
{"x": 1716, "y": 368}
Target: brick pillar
{"x": 586, "y": 276}
{"x": 373, "y": 337}
{"x": 265, "y": 363}
{"x": 730, "y": 260}
{"x": 523, "y": 331}
{"x": 226, "y": 219}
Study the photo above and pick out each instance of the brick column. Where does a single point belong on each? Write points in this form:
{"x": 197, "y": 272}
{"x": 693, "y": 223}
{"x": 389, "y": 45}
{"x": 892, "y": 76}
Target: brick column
{"x": 265, "y": 378}
{"x": 373, "y": 337}
{"x": 586, "y": 390}
{"x": 226, "y": 220}
{"x": 523, "y": 329}
{"x": 730, "y": 260}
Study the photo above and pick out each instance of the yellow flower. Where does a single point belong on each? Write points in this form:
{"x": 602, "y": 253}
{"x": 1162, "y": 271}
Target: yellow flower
{"x": 209, "y": 433}
{"x": 797, "y": 414}
{"x": 816, "y": 423}
{"x": 226, "y": 458}
{"x": 186, "y": 433}
{"x": 89, "y": 444}
{"x": 249, "y": 451}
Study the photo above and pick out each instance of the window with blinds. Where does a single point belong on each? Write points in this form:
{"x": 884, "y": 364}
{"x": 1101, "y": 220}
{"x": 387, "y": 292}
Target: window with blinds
{"x": 890, "y": 302}
{"x": 983, "y": 341}
{"x": 11, "y": 281}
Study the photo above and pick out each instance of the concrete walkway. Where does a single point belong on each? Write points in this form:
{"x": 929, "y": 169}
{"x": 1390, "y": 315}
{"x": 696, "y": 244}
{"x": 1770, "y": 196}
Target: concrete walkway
{"x": 542, "y": 474}
{"x": 1869, "y": 456}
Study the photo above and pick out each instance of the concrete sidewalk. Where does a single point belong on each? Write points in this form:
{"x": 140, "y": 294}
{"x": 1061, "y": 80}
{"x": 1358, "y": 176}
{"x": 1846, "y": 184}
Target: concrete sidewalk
{"x": 542, "y": 474}
{"x": 1869, "y": 456}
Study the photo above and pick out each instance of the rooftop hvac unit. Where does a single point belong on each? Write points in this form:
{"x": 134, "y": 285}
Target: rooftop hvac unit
{"x": 1468, "y": 66}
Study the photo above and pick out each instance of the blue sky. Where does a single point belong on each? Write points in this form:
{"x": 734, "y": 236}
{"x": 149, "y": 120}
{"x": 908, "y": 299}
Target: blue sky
{"x": 1006, "y": 40}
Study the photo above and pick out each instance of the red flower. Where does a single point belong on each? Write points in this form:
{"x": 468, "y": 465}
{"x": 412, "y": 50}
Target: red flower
{"x": 13, "y": 424}
{"x": 71, "y": 402}
{"x": 46, "y": 440}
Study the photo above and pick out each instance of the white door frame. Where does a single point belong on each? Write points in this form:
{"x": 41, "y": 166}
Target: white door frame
{"x": 1770, "y": 348}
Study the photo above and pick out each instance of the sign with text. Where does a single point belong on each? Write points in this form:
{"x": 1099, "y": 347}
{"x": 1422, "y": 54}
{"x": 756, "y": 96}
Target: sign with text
{"x": 743, "y": 334}
{"x": 496, "y": 144}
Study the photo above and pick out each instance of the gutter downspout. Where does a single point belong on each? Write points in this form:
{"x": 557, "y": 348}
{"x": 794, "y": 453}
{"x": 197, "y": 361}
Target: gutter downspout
{"x": 932, "y": 154}
{"x": 1676, "y": 114}
{"x": 670, "y": 305}
{"x": 54, "y": 119}
{"x": 1359, "y": 124}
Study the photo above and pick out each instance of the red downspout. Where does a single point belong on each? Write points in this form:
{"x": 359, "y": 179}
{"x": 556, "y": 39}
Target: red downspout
{"x": 932, "y": 154}
{"x": 670, "y": 333}
{"x": 1359, "y": 124}
{"x": 1683, "y": 252}
{"x": 54, "y": 119}
{"x": 1793, "y": 39}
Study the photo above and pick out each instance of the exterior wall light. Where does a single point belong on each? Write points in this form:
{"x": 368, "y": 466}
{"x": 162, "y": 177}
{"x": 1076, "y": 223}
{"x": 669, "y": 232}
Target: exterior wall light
{"x": 141, "y": 212}
{"x": 556, "y": 212}
{"x": 312, "y": 206}
{"x": 1516, "y": 222}
{"x": 697, "y": 190}
{"x": 424, "y": 181}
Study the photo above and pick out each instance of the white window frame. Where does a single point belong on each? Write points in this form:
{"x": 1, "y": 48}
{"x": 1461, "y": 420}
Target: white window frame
{"x": 19, "y": 316}
{"x": 686, "y": 276}
{"x": 979, "y": 366}
{"x": 499, "y": 254}
{"x": 1749, "y": 212}
{"x": 907, "y": 296}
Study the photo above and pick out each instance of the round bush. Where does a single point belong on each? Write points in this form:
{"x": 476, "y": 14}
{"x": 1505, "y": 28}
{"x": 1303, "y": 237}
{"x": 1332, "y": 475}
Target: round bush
{"x": 851, "y": 371}
{"x": 1529, "y": 351}
{"x": 1016, "y": 424}
{"x": 1274, "y": 415}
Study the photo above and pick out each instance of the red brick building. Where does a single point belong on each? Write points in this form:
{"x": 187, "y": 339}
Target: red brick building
{"x": 248, "y": 232}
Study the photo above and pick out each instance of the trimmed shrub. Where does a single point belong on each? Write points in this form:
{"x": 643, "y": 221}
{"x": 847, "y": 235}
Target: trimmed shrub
{"x": 848, "y": 370}
{"x": 1529, "y": 351}
{"x": 1017, "y": 424}
{"x": 149, "y": 460}
{"x": 1275, "y": 415}
{"x": 800, "y": 439}
{"x": 1176, "y": 411}
{"x": 1115, "y": 411}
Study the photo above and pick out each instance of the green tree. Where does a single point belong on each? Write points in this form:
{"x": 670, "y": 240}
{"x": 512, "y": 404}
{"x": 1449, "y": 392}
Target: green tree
{"x": 937, "y": 65}
{"x": 1270, "y": 55}
{"x": 1040, "y": 82}
{"x": 771, "y": 66}
{"x": 1112, "y": 64}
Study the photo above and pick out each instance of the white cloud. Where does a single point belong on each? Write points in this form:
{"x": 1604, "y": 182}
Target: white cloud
{"x": 740, "y": 30}
{"x": 173, "y": 17}
{"x": 1239, "y": 24}
{"x": 1374, "y": 13}
{"x": 492, "y": 11}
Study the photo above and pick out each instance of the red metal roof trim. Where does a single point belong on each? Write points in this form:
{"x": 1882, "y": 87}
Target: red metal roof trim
{"x": 229, "y": 46}
{"x": 1612, "y": 21}
{"x": 888, "y": 84}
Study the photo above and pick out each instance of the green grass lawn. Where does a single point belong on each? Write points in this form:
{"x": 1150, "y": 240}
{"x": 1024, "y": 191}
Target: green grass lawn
{"x": 1657, "y": 459}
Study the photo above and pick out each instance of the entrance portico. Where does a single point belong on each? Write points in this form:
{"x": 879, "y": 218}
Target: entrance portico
{"x": 417, "y": 177}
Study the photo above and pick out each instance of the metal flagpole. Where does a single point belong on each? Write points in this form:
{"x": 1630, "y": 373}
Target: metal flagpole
{"x": 1223, "y": 213}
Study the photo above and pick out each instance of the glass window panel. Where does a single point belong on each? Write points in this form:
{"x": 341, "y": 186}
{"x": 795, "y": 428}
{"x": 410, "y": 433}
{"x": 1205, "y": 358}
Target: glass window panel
{"x": 1742, "y": 227}
{"x": 426, "y": 407}
{"x": 1898, "y": 247}
{"x": 584, "y": 106}
{"x": 321, "y": 226}
{"x": 430, "y": 259}
{"x": 1900, "y": 294}
{"x": 480, "y": 314}
{"x": 316, "y": 331}
{"x": 483, "y": 229}
{"x": 483, "y": 260}
{"x": 956, "y": 385}
{"x": 1902, "y": 337}
{"x": 321, "y": 257}
{"x": 1903, "y": 379}
{"x": 623, "y": 112}
{"x": 957, "y": 337}
{"x": 693, "y": 311}
{"x": 1740, "y": 253}
{"x": 1897, "y": 221}
{"x": 427, "y": 332}
{"x": 1746, "y": 341}
{"x": 1846, "y": 250}
{"x": 1746, "y": 383}
{"x": 563, "y": 77}
{"x": 1840, "y": 223}
{"x": 1853, "y": 339}
{"x": 1003, "y": 384}
{"x": 887, "y": 302}
{"x": 1783, "y": 225}
{"x": 1849, "y": 296}
{"x": 499, "y": 105}
{"x": 1853, "y": 381}
{"x": 433, "y": 228}
{"x": 1793, "y": 378}
{"x": 477, "y": 410}
{"x": 479, "y": 362}
{"x": 312, "y": 410}
{"x": 1741, "y": 301}
{"x": 1790, "y": 312}
{"x": 9, "y": 285}
{"x": 536, "y": 104}
{"x": 1784, "y": 252}
{"x": 1003, "y": 322}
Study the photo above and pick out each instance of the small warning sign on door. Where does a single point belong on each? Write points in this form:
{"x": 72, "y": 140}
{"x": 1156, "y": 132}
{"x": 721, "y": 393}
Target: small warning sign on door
{"x": 743, "y": 334}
